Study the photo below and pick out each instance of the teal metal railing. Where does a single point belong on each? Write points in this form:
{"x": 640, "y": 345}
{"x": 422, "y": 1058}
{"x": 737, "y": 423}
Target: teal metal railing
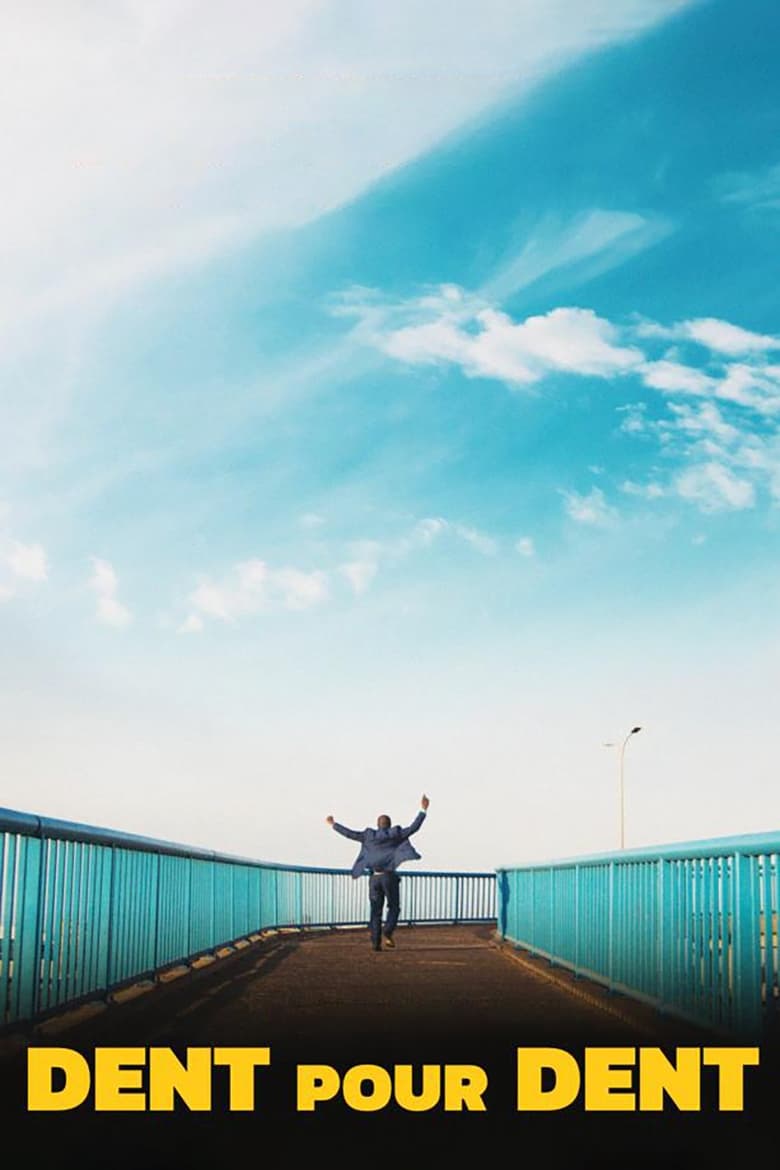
{"x": 690, "y": 928}
{"x": 84, "y": 910}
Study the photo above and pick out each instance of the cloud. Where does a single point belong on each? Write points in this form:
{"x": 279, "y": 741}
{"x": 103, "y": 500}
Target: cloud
{"x": 648, "y": 491}
{"x": 28, "y": 561}
{"x": 112, "y": 613}
{"x": 578, "y": 249}
{"x": 757, "y": 387}
{"x": 719, "y": 336}
{"x": 360, "y": 574}
{"x": 22, "y": 564}
{"x": 704, "y": 422}
{"x": 432, "y": 528}
{"x": 759, "y": 190}
{"x": 104, "y": 580}
{"x": 478, "y": 540}
{"x": 452, "y": 327}
{"x": 311, "y": 520}
{"x": 715, "y": 488}
{"x": 300, "y": 590}
{"x": 191, "y": 625}
{"x": 104, "y": 583}
{"x": 589, "y": 509}
{"x": 729, "y": 339}
{"x": 253, "y": 587}
{"x": 423, "y": 535}
{"x": 725, "y": 454}
{"x": 525, "y": 546}
{"x": 676, "y": 378}
{"x": 426, "y": 531}
{"x": 634, "y": 420}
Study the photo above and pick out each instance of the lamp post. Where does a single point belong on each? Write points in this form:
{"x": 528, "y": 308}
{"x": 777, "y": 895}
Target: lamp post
{"x": 633, "y": 731}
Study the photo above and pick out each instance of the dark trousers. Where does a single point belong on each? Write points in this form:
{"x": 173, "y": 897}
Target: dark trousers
{"x": 383, "y": 886}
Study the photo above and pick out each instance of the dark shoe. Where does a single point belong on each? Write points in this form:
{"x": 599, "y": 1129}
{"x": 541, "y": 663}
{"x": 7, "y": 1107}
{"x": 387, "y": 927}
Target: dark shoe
{"x": 376, "y": 946}
{"x": 389, "y": 942}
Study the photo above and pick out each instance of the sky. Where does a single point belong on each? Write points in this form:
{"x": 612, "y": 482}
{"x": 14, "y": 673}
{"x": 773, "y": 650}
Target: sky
{"x": 389, "y": 403}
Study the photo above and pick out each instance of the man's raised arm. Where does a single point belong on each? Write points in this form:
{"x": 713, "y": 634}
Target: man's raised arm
{"x": 353, "y": 834}
{"x": 418, "y": 820}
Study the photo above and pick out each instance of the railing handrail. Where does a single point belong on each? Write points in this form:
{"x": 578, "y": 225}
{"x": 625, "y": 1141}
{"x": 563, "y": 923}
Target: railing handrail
{"x": 747, "y": 845}
{"x": 32, "y": 825}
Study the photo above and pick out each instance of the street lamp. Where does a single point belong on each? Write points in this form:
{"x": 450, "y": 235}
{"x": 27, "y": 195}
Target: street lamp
{"x": 633, "y": 731}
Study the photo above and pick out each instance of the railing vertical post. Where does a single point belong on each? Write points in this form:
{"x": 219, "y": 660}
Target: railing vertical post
{"x": 27, "y": 946}
{"x": 747, "y": 959}
{"x": 533, "y": 909}
{"x": 664, "y": 930}
{"x": 212, "y": 902}
{"x": 158, "y": 894}
{"x": 552, "y": 872}
{"x": 190, "y": 865}
{"x": 576, "y": 921}
{"x": 611, "y": 927}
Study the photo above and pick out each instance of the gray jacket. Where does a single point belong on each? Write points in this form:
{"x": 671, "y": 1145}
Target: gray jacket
{"x": 382, "y": 848}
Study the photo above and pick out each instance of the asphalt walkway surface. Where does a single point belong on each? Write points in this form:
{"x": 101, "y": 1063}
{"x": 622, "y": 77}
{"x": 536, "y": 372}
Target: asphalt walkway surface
{"x": 445, "y": 996}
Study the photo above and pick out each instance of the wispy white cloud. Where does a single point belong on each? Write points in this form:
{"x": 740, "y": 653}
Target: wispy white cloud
{"x": 28, "y": 561}
{"x": 21, "y": 564}
{"x": 525, "y": 546}
{"x": 758, "y": 190}
{"x": 756, "y": 386}
{"x": 253, "y": 587}
{"x": 426, "y": 531}
{"x": 724, "y": 337}
{"x": 634, "y": 418}
{"x": 578, "y": 249}
{"x": 311, "y": 520}
{"x": 591, "y": 508}
{"x": 648, "y": 491}
{"x": 369, "y": 556}
{"x": 715, "y": 488}
{"x": 719, "y": 462}
{"x": 478, "y": 540}
{"x": 710, "y": 332}
{"x": 703, "y": 422}
{"x": 359, "y": 574}
{"x": 192, "y": 624}
{"x": 677, "y": 378}
{"x": 104, "y": 583}
{"x": 449, "y": 326}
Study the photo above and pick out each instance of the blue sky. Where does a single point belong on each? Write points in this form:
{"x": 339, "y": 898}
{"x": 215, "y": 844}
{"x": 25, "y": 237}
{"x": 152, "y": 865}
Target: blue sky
{"x": 392, "y": 405}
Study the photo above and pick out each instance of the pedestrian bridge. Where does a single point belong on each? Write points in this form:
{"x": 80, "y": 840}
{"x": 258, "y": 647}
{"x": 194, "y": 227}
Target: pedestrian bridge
{"x": 691, "y": 929}
{"x": 110, "y": 940}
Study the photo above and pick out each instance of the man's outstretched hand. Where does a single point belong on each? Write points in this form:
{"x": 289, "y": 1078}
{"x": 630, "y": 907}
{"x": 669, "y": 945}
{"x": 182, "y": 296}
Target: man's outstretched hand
{"x": 424, "y": 803}
{"x": 328, "y": 820}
